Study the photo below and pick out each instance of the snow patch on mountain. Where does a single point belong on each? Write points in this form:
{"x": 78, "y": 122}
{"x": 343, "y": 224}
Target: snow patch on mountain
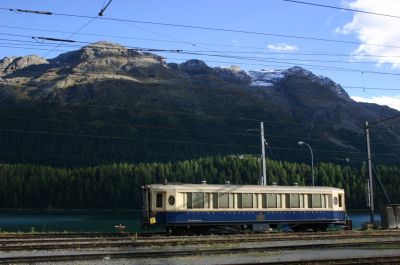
{"x": 265, "y": 77}
{"x": 270, "y": 77}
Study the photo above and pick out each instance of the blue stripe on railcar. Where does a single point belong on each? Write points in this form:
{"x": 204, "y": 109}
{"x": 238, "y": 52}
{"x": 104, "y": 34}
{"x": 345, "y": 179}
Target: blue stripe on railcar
{"x": 225, "y": 217}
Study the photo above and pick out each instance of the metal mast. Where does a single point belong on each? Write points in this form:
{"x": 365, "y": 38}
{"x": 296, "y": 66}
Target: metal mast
{"x": 264, "y": 170}
{"x": 371, "y": 189}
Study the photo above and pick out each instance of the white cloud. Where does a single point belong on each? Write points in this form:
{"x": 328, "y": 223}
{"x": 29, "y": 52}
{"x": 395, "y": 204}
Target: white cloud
{"x": 393, "y": 102}
{"x": 236, "y": 42}
{"x": 373, "y": 29}
{"x": 282, "y": 47}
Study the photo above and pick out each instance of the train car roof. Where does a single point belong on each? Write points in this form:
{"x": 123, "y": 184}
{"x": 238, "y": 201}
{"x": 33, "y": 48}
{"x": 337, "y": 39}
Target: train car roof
{"x": 239, "y": 188}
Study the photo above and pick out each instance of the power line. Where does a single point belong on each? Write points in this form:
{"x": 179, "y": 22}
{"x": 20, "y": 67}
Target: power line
{"x": 325, "y": 151}
{"x": 307, "y": 53}
{"x": 78, "y": 151}
{"x": 175, "y": 141}
{"x": 214, "y": 29}
{"x": 71, "y": 35}
{"x": 341, "y": 8}
{"x": 80, "y": 28}
{"x": 178, "y": 51}
{"x": 130, "y": 125}
{"x": 27, "y": 43}
{"x": 101, "y": 13}
{"x": 183, "y": 59}
{"x": 125, "y": 138}
{"x": 202, "y": 115}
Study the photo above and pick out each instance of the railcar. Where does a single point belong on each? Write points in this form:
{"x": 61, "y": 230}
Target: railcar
{"x": 202, "y": 206}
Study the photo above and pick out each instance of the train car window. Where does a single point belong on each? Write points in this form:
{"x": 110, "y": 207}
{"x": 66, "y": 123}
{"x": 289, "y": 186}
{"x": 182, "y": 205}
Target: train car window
{"x": 294, "y": 200}
{"x": 316, "y": 201}
{"x": 264, "y": 200}
{"x": 223, "y": 199}
{"x": 323, "y": 200}
{"x": 239, "y": 200}
{"x": 189, "y": 200}
{"x": 247, "y": 200}
{"x": 231, "y": 200}
{"x": 287, "y": 200}
{"x": 198, "y": 200}
{"x": 330, "y": 202}
{"x": 255, "y": 200}
{"x": 271, "y": 200}
{"x": 215, "y": 200}
{"x": 279, "y": 200}
{"x": 159, "y": 200}
{"x": 340, "y": 200}
{"x": 206, "y": 200}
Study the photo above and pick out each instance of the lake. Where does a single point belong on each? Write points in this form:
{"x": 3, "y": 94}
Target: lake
{"x": 97, "y": 221}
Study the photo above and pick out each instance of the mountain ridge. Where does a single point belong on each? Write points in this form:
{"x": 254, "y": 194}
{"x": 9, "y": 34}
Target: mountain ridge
{"x": 118, "y": 97}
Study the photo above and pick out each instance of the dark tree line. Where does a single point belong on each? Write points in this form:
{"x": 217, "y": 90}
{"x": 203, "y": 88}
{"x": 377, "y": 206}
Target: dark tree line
{"x": 118, "y": 186}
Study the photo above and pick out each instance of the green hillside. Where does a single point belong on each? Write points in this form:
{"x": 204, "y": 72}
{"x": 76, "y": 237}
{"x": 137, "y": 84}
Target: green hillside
{"x": 117, "y": 186}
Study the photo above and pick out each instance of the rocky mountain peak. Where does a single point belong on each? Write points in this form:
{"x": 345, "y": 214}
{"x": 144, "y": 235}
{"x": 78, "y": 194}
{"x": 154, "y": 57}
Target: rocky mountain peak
{"x": 322, "y": 81}
{"x": 9, "y": 65}
{"x": 297, "y": 70}
{"x": 195, "y": 67}
{"x": 233, "y": 74}
{"x": 103, "y": 49}
{"x": 272, "y": 77}
{"x": 106, "y": 56}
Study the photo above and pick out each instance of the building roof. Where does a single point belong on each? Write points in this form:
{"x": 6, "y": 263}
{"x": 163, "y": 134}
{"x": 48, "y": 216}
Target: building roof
{"x": 240, "y": 188}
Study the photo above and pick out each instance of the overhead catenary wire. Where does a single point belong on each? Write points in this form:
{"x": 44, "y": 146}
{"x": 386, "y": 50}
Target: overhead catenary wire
{"x": 80, "y": 28}
{"x": 125, "y": 138}
{"x": 247, "y": 32}
{"x": 342, "y": 8}
{"x": 227, "y": 53}
{"x": 179, "y": 51}
{"x": 201, "y": 131}
{"x": 254, "y": 147}
{"x": 184, "y": 59}
{"x": 380, "y": 183}
{"x": 78, "y": 151}
{"x": 103, "y": 9}
{"x": 258, "y": 50}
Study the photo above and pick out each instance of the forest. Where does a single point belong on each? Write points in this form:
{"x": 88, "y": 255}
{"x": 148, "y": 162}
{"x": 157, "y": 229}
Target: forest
{"x": 118, "y": 186}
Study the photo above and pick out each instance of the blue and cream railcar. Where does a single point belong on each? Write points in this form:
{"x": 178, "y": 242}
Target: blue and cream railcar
{"x": 195, "y": 205}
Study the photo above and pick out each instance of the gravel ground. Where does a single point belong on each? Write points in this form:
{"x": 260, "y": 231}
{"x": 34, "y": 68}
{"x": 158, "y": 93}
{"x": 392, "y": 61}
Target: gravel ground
{"x": 184, "y": 247}
{"x": 275, "y": 256}
{"x": 285, "y": 255}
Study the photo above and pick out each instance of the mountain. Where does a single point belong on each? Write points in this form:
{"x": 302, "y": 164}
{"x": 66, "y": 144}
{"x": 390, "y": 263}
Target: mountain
{"x": 105, "y": 103}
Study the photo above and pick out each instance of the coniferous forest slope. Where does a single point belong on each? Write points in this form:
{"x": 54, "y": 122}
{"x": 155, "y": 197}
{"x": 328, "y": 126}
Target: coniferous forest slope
{"x": 118, "y": 186}
{"x": 105, "y": 104}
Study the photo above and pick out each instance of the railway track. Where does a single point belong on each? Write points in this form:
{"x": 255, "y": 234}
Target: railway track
{"x": 389, "y": 260}
{"x": 153, "y": 236}
{"x": 130, "y": 240}
{"x": 136, "y": 254}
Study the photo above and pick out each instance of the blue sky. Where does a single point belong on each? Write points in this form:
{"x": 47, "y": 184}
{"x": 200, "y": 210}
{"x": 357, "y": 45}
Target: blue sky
{"x": 266, "y": 16}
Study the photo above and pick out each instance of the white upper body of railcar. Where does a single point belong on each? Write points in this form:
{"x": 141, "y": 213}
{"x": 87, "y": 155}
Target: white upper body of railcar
{"x": 210, "y": 197}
